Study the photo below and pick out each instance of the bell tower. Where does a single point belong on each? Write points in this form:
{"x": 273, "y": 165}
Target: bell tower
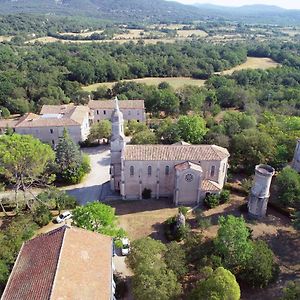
{"x": 117, "y": 145}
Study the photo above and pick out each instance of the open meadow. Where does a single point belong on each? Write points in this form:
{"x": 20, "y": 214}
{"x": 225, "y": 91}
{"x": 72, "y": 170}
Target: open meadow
{"x": 177, "y": 82}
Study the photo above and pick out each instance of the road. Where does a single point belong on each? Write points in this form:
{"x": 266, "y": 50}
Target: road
{"x": 89, "y": 190}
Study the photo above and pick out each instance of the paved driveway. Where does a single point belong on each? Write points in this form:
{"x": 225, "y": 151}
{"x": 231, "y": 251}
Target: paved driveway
{"x": 90, "y": 189}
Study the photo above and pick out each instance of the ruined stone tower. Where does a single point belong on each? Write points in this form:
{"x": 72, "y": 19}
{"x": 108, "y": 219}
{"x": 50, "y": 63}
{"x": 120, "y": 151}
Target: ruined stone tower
{"x": 117, "y": 145}
{"x": 296, "y": 159}
{"x": 260, "y": 191}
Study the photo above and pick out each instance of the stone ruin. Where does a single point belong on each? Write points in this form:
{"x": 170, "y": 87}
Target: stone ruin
{"x": 260, "y": 191}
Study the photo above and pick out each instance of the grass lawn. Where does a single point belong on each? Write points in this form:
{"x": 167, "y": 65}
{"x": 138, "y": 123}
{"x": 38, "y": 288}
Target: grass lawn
{"x": 143, "y": 218}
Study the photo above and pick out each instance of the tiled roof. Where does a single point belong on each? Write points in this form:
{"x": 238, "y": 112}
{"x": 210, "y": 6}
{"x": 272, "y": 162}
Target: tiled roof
{"x": 66, "y": 263}
{"x": 33, "y": 274}
{"x": 56, "y": 109}
{"x": 11, "y": 123}
{"x": 110, "y": 104}
{"x": 188, "y": 165}
{"x": 210, "y": 186}
{"x": 173, "y": 152}
{"x": 73, "y": 116}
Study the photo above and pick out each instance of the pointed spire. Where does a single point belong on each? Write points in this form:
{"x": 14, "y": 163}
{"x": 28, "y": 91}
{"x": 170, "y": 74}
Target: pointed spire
{"x": 117, "y": 103}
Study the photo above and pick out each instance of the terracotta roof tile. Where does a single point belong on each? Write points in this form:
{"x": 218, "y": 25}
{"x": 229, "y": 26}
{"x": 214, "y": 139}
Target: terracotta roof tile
{"x": 33, "y": 274}
{"x": 73, "y": 116}
{"x": 188, "y": 165}
{"x": 56, "y": 109}
{"x": 210, "y": 186}
{"x": 66, "y": 263}
{"x": 110, "y": 104}
{"x": 173, "y": 152}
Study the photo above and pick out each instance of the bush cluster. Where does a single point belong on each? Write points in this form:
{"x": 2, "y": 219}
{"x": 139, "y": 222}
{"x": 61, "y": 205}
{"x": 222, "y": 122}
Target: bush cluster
{"x": 213, "y": 200}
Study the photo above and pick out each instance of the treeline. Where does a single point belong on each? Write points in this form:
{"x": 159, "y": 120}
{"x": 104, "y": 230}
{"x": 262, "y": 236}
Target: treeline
{"x": 41, "y": 25}
{"x": 31, "y": 76}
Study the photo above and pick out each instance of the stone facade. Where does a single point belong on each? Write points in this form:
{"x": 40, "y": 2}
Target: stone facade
{"x": 131, "y": 109}
{"x": 260, "y": 191}
{"x": 53, "y": 119}
{"x": 183, "y": 172}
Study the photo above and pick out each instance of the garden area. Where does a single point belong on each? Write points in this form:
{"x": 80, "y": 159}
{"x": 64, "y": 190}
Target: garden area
{"x": 187, "y": 260}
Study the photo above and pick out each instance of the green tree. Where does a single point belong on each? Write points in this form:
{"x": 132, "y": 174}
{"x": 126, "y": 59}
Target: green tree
{"x": 232, "y": 242}
{"x": 144, "y": 137}
{"x": 191, "y": 129}
{"x": 146, "y": 251}
{"x": 57, "y": 199}
{"x": 175, "y": 259}
{"x": 288, "y": 184}
{"x": 135, "y": 127}
{"x": 260, "y": 267}
{"x": 152, "y": 278}
{"x": 155, "y": 284}
{"x": 219, "y": 285}
{"x": 100, "y": 130}
{"x": 97, "y": 217}
{"x": 259, "y": 146}
{"x": 25, "y": 161}
{"x": 42, "y": 215}
{"x": 69, "y": 161}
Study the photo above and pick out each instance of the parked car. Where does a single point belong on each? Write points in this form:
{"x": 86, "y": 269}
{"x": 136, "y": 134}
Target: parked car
{"x": 63, "y": 217}
{"x": 125, "y": 246}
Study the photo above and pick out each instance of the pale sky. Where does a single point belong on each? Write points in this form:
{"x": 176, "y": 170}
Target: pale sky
{"x": 294, "y": 4}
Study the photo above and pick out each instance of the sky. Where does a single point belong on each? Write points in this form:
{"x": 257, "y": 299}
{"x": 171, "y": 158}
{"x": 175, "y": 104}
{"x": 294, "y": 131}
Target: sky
{"x": 292, "y": 4}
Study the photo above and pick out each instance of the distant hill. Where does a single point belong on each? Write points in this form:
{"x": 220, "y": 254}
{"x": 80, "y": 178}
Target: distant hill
{"x": 151, "y": 10}
{"x": 258, "y": 13}
{"x": 123, "y": 10}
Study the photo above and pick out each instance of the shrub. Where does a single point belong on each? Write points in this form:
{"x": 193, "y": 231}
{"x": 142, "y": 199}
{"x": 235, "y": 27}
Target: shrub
{"x": 184, "y": 210}
{"x": 175, "y": 259}
{"x": 212, "y": 200}
{"x": 224, "y": 196}
{"x": 202, "y": 221}
{"x": 291, "y": 291}
{"x": 174, "y": 233}
{"x": 42, "y": 215}
{"x": 146, "y": 194}
{"x": 260, "y": 267}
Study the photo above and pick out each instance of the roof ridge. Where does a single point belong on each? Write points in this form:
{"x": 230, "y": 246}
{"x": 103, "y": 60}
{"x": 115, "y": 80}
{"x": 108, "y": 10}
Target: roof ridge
{"x": 65, "y": 227}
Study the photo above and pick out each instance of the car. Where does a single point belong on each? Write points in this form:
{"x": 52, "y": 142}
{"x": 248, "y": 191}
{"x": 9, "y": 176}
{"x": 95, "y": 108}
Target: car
{"x": 125, "y": 246}
{"x": 63, "y": 217}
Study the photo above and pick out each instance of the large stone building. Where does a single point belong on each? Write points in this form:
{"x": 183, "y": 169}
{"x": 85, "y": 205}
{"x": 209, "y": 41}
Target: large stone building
{"x": 49, "y": 125}
{"x": 182, "y": 171}
{"x": 131, "y": 109}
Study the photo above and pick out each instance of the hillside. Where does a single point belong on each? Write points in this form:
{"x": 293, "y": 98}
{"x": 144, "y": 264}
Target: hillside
{"x": 152, "y": 11}
{"x": 253, "y": 13}
{"x": 122, "y": 10}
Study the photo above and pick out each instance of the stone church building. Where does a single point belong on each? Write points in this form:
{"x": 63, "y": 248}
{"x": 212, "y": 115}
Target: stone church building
{"x": 182, "y": 171}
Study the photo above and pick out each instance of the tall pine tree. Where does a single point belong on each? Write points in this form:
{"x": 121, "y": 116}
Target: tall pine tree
{"x": 68, "y": 159}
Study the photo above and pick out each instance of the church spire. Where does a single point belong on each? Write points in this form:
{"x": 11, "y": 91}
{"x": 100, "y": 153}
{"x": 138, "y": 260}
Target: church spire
{"x": 117, "y": 103}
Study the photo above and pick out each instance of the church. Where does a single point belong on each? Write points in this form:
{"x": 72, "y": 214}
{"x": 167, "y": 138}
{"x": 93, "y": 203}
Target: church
{"x": 184, "y": 172}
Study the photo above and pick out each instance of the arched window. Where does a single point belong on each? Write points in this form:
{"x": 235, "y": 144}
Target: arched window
{"x": 149, "y": 170}
{"x": 131, "y": 170}
{"x": 167, "y": 170}
{"x": 212, "y": 171}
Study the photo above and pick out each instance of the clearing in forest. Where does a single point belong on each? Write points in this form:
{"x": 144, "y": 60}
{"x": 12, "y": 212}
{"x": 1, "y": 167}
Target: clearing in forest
{"x": 253, "y": 63}
{"x": 175, "y": 82}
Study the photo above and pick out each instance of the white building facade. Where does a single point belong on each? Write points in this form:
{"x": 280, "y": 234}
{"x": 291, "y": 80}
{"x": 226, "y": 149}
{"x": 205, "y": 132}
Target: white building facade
{"x": 131, "y": 109}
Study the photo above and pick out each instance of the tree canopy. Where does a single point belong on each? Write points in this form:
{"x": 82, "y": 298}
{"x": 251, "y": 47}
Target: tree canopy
{"x": 219, "y": 285}
{"x": 97, "y": 217}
